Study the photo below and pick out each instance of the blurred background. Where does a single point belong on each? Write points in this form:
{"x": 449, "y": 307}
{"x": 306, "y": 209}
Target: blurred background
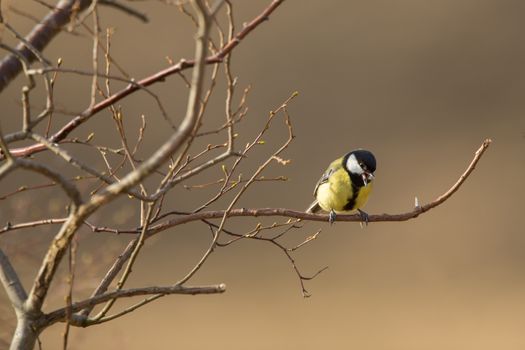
{"x": 420, "y": 83}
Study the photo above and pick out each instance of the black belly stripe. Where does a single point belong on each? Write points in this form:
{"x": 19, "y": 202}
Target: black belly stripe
{"x": 356, "y": 182}
{"x": 351, "y": 201}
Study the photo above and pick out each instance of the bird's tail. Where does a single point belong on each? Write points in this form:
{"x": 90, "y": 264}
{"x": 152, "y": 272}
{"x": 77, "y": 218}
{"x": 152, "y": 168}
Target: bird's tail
{"x": 314, "y": 207}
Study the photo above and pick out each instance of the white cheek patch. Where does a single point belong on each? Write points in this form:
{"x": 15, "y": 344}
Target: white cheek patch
{"x": 353, "y": 166}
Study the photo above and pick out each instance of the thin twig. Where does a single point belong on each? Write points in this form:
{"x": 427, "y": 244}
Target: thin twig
{"x": 93, "y": 9}
{"x": 132, "y": 259}
{"x": 69, "y": 296}
{"x": 12, "y": 227}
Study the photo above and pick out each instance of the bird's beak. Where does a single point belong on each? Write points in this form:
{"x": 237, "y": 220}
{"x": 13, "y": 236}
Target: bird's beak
{"x": 367, "y": 177}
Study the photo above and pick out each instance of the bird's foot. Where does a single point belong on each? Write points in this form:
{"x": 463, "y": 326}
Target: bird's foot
{"x": 364, "y": 217}
{"x": 332, "y": 216}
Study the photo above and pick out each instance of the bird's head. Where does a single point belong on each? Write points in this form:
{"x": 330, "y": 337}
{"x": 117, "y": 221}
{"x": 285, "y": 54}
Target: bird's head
{"x": 361, "y": 164}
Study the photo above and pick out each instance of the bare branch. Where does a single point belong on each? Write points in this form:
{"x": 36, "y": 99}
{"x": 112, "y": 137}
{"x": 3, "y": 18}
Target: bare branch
{"x": 69, "y": 296}
{"x": 12, "y": 285}
{"x": 323, "y": 217}
{"x": 12, "y": 227}
{"x": 51, "y": 261}
{"x": 96, "y": 32}
{"x": 59, "y": 314}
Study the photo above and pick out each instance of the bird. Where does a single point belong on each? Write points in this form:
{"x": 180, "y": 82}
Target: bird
{"x": 345, "y": 185}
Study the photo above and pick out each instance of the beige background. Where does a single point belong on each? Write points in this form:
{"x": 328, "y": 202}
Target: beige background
{"x": 421, "y": 84}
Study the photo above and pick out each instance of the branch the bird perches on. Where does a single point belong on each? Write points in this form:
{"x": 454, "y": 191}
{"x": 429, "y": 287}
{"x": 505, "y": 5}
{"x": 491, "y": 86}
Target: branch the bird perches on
{"x": 256, "y": 212}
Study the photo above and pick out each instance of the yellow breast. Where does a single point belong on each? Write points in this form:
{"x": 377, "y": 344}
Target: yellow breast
{"x": 337, "y": 194}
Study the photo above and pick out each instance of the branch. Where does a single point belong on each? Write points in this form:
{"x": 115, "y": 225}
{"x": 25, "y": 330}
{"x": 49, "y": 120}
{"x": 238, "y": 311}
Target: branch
{"x": 12, "y": 227}
{"x": 418, "y": 210}
{"x": 60, "y": 314}
{"x": 155, "y": 78}
{"x": 51, "y": 261}
{"x": 12, "y": 285}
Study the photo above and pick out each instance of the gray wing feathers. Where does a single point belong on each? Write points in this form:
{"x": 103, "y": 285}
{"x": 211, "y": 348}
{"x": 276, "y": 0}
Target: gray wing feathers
{"x": 324, "y": 178}
{"x": 314, "y": 207}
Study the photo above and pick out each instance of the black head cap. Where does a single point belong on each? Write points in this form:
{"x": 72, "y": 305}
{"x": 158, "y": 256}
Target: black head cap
{"x": 366, "y": 158}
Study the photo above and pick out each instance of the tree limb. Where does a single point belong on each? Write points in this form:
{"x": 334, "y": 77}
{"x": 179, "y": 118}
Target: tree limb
{"x": 12, "y": 285}
{"x": 59, "y": 314}
{"x": 418, "y": 210}
{"x": 51, "y": 261}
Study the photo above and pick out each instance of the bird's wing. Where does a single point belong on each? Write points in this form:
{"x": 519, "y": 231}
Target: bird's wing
{"x": 326, "y": 175}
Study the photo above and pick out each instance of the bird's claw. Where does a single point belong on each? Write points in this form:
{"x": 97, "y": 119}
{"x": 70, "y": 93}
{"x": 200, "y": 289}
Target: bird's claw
{"x": 332, "y": 216}
{"x": 364, "y": 217}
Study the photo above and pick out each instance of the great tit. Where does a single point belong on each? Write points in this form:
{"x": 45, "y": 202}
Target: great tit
{"x": 345, "y": 185}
